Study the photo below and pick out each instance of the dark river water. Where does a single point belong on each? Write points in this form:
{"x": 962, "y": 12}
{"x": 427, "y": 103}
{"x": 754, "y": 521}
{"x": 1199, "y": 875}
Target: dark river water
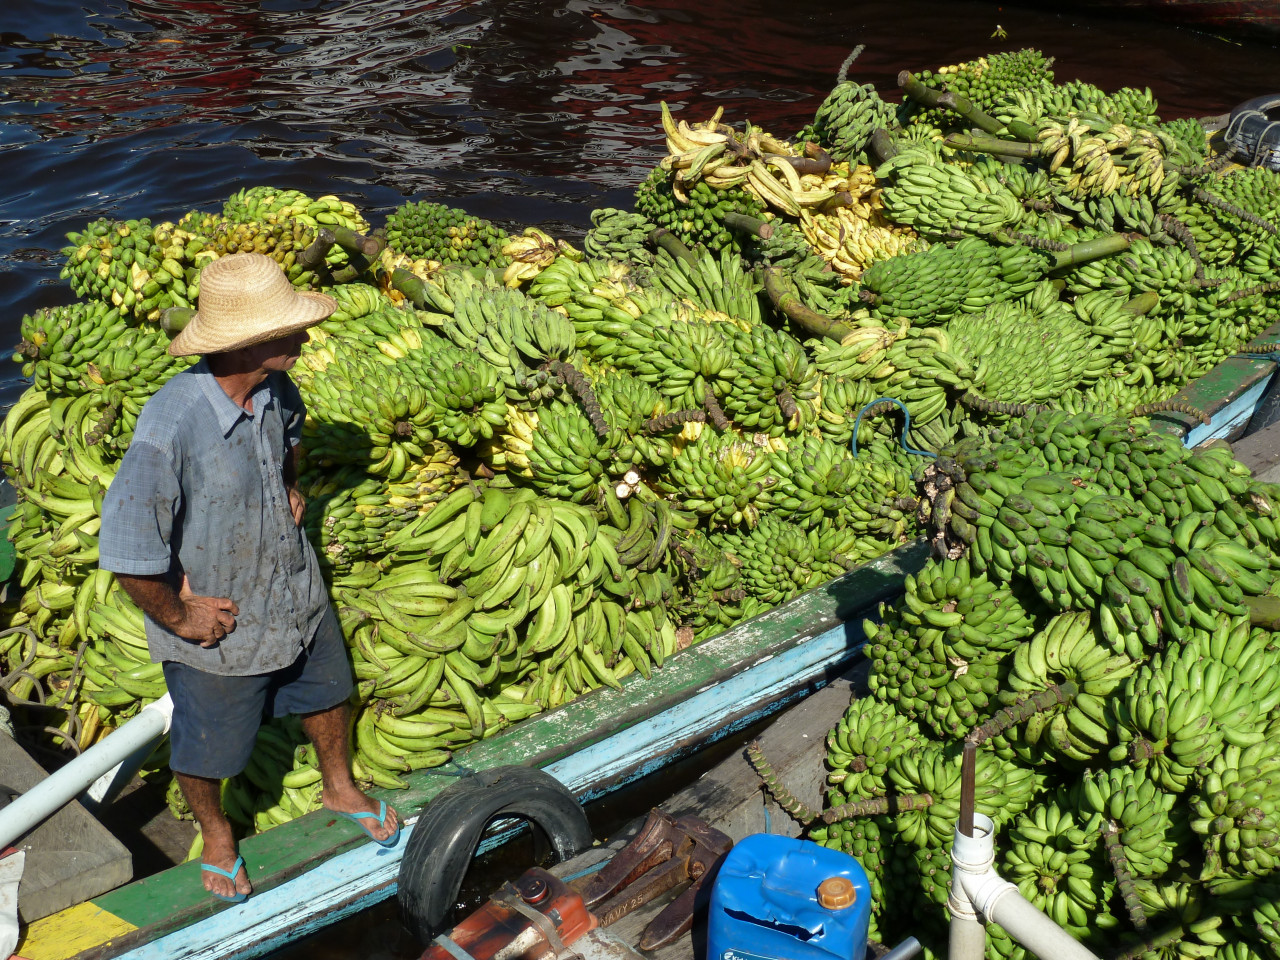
{"x": 523, "y": 111}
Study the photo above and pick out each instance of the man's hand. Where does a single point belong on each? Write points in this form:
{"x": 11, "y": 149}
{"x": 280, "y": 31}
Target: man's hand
{"x": 297, "y": 505}
{"x": 205, "y": 620}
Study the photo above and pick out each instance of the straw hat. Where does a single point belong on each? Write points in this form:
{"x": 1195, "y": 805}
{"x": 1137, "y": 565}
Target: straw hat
{"x": 245, "y": 298}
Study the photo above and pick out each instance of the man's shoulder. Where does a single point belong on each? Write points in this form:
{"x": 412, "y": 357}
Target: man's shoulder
{"x": 168, "y": 414}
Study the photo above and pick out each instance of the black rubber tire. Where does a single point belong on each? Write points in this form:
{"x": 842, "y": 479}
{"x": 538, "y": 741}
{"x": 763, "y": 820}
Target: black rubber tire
{"x": 1245, "y": 129}
{"x": 445, "y": 838}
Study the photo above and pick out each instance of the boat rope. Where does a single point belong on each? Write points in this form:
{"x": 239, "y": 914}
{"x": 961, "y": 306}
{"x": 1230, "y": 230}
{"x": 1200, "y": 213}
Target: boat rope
{"x": 878, "y": 406}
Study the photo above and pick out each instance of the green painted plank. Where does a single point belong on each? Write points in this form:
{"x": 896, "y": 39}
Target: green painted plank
{"x": 1217, "y": 388}
{"x": 176, "y": 897}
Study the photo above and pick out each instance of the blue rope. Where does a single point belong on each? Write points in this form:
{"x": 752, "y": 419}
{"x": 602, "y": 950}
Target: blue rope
{"x": 594, "y": 868}
{"x": 906, "y": 425}
{"x": 458, "y": 771}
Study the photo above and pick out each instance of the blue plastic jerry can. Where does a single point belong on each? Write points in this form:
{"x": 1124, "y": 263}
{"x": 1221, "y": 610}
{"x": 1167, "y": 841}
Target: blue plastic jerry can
{"x": 778, "y": 898}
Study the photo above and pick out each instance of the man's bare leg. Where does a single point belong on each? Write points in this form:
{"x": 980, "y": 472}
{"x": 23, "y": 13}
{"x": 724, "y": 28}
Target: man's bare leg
{"x": 204, "y": 797}
{"x": 327, "y": 729}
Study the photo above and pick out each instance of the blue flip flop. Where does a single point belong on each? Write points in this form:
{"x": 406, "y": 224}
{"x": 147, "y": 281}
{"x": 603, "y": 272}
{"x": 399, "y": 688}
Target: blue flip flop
{"x": 380, "y": 816}
{"x": 230, "y": 875}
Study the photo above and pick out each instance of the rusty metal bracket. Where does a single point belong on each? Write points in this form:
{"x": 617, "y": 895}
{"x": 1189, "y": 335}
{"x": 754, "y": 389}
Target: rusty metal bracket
{"x": 665, "y": 854}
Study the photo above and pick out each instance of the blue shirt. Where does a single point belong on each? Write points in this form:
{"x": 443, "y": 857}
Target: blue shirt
{"x": 201, "y": 491}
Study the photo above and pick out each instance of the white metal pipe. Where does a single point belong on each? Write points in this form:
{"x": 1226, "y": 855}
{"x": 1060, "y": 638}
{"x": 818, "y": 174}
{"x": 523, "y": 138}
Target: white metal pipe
{"x": 967, "y": 933}
{"x": 1032, "y": 928}
{"x": 976, "y": 887}
{"x": 967, "y": 939}
{"x": 51, "y": 794}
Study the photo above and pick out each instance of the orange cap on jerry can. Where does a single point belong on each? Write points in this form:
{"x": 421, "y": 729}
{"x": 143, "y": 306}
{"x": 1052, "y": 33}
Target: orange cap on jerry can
{"x": 836, "y": 893}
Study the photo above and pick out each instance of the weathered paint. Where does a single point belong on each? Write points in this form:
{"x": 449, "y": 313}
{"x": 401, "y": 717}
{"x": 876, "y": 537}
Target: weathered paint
{"x": 1227, "y": 394}
{"x": 71, "y": 931}
{"x": 704, "y": 693}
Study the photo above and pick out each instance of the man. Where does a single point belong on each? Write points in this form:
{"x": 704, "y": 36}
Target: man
{"x": 202, "y": 527}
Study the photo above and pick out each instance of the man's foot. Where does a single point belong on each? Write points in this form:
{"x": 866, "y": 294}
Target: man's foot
{"x": 219, "y": 864}
{"x": 377, "y": 819}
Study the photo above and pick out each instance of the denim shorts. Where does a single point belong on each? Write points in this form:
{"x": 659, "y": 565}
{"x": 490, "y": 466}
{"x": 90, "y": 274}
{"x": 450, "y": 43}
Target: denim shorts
{"x": 216, "y": 718}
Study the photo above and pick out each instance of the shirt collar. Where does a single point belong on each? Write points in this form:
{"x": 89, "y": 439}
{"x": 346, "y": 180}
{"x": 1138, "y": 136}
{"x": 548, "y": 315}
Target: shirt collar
{"x": 227, "y": 412}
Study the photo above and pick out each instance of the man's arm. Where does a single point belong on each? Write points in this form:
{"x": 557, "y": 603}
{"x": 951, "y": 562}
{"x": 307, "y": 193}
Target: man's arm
{"x": 205, "y": 620}
{"x": 289, "y": 470}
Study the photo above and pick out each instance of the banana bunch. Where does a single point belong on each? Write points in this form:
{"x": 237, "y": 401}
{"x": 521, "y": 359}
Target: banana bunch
{"x": 1235, "y": 811}
{"x": 881, "y": 501}
{"x": 1055, "y": 858}
{"x": 722, "y": 478}
{"x": 600, "y": 298}
{"x": 932, "y": 285}
{"x": 713, "y": 597}
{"x": 1144, "y": 535}
{"x": 694, "y": 212}
{"x": 1076, "y": 98}
{"x": 557, "y": 450}
{"x": 272, "y": 205}
{"x": 1176, "y": 713}
{"x": 986, "y": 80}
{"x": 846, "y": 119}
{"x": 355, "y": 302}
{"x": 935, "y": 197}
{"x": 368, "y": 411}
{"x": 1231, "y": 218}
{"x": 531, "y": 253}
{"x": 58, "y": 342}
{"x": 718, "y": 286}
{"x": 1067, "y": 651}
{"x": 1143, "y": 267}
{"x": 469, "y": 399}
{"x": 1186, "y": 905}
{"x": 350, "y": 513}
{"x": 920, "y": 678}
{"x": 641, "y": 424}
{"x": 1150, "y": 831}
{"x": 528, "y": 345}
{"x": 813, "y": 479}
{"x": 718, "y": 155}
{"x": 1013, "y": 353}
{"x": 690, "y": 362}
{"x": 283, "y": 240}
{"x": 862, "y": 744}
{"x": 958, "y": 613}
{"x": 774, "y": 386}
{"x": 424, "y": 230}
{"x": 133, "y": 266}
{"x": 839, "y": 400}
{"x": 647, "y": 534}
{"x": 851, "y": 243}
{"x": 1002, "y": 792}
{"x": 780, "y": 560}
{"x": 699, "y": 151}
{"x": 862, "y": 352}
{"x": 619, "y": 235}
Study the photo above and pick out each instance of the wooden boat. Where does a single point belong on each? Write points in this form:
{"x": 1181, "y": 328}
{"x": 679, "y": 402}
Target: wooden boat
{"x": 319, "y": 869}
{"x": 1260, "y": 18}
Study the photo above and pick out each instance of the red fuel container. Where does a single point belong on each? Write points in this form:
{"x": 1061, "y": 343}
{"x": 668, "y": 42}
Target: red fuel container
{"x": 530, "y": 919}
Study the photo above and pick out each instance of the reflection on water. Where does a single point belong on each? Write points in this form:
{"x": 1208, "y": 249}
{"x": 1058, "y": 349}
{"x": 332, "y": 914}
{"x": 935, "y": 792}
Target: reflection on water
{"x": 524, "y": 111}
